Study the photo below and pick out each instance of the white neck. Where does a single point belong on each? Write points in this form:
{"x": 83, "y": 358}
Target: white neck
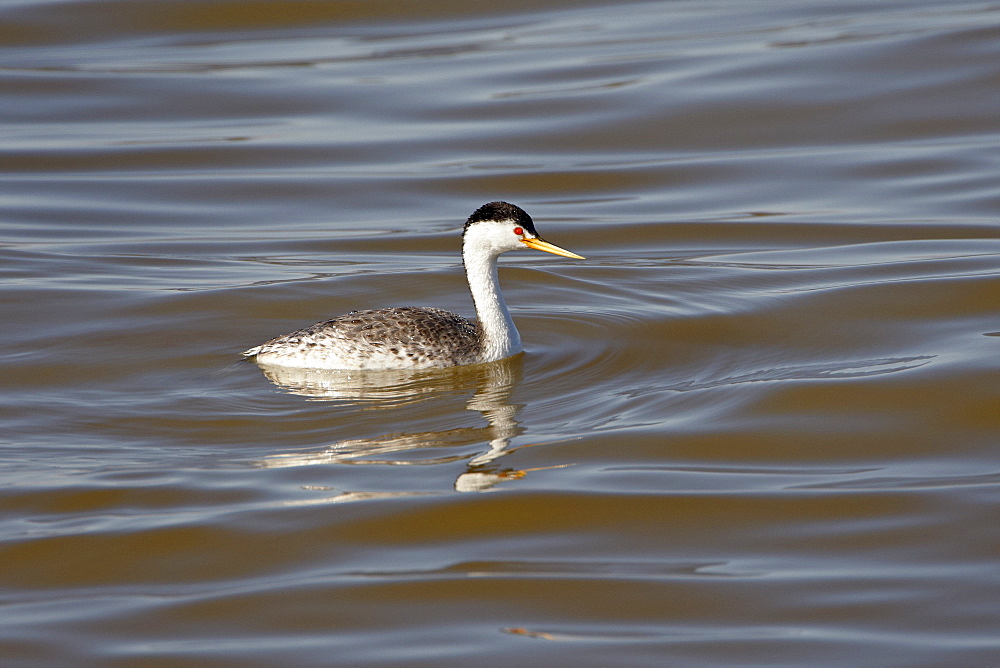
{"x": 500, "y": 337}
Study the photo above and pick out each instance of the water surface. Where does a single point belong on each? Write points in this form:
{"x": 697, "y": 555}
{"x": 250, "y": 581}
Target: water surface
{"x": 757, "y": 425}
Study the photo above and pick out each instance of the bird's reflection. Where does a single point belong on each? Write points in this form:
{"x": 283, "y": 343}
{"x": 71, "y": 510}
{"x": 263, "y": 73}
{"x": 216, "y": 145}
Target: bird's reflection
{"x": 493, "y": 385}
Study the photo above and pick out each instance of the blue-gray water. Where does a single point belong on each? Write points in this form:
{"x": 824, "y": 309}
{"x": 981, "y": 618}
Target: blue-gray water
{"x": 758, "y": 425}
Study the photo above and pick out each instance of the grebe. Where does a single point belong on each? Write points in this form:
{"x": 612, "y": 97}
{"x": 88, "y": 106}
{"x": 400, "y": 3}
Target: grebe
{"x": 410, "y": 337}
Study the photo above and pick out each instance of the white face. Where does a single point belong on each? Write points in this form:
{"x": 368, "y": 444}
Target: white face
{"x": 491, "y": 238}
{"x": 495, "y": 237}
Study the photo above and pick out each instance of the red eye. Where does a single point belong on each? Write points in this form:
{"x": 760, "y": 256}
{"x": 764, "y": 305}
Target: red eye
{"x": 518, "y": 231}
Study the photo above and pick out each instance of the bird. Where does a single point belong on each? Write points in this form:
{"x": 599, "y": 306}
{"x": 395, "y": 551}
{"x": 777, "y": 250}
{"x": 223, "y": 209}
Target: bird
{"x": 411, "y": 337}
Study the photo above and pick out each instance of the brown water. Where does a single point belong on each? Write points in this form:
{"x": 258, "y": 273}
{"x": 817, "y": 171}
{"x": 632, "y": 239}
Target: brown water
{"x": 757, "y": 425}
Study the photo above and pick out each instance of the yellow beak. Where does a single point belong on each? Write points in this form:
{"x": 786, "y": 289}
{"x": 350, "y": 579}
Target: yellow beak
{"x": 542, "y": 245}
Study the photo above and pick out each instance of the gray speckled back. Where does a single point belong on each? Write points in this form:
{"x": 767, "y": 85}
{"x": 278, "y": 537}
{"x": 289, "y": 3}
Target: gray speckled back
{"x": 416, "y": 336}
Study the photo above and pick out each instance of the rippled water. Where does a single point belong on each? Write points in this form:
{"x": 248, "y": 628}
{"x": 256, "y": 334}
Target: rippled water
{"x": 757, "y": 425}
